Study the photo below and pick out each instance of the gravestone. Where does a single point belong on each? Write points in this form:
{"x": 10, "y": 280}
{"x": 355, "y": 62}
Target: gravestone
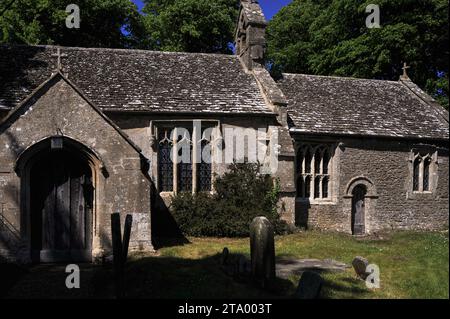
{"x": 262, "y": 248}
{"x": 360, "y": 265}
{"x": 309, "y": 286}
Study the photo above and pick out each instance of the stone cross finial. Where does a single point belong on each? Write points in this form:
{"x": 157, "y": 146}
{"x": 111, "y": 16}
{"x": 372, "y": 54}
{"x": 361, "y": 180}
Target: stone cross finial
{"x": 59, "y": 55}
{"x": 405, "y": 73}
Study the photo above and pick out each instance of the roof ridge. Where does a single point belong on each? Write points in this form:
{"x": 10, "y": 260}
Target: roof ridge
{"x": 338, "y": 77}
{"x": 45, "y": 46}
{"x": 425, "y": 98}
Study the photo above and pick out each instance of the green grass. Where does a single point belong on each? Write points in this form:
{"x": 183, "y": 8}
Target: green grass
{"x": 412, "y": 265}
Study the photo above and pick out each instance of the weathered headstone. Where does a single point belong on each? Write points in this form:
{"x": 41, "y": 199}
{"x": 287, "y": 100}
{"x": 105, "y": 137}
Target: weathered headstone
{"x": 360, "y": 265}
{"x": 309, "y": 286}
{"x": 262, "y": 246}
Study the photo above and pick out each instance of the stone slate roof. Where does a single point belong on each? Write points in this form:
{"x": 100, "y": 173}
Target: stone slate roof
{"x": 135, "y": 80}
{"x": 349, "y": 106}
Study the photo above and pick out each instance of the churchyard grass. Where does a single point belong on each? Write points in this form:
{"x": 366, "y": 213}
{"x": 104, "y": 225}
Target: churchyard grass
{"x": 412, "y": 265}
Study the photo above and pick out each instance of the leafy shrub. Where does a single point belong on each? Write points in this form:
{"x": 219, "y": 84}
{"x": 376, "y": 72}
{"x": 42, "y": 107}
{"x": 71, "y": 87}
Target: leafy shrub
{"x": 240, "y": 195}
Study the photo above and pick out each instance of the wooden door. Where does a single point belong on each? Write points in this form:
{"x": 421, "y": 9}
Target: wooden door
{"x": 358, "y": 210}
{"x": 61, "y": 208}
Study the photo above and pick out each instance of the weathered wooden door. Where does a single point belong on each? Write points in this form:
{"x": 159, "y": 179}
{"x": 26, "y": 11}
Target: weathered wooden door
{"x": 358, "y": 210}
{"x": 61, "y": 208}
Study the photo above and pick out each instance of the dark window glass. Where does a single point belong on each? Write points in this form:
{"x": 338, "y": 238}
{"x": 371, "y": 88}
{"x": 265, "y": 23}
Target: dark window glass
{"x": 307, "y": 186}
{"x": 325, "y": 187}
{"x": 317, "y": 187}
{"x": 165, "y": 165}
{"x": 184, "y": 174}
{"x": 326, "y": 162}
{"x": 426, "y": 175}
{"x": 308, "y": 159}
{"x": 317, "y": 159}
{"x": 416, "y": 174}
{"x": 204, "y": 172}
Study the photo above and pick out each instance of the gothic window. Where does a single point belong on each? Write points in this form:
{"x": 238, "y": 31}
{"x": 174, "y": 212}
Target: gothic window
{"x": 184, "y": 171}
{"x": 165, "y": 164}
{"x": 204, "y": 168}
{"x": 189, "y": 174}
{"x": 307, "y": 192}
{"x": 314, "y": 179}
{"x": 325, "y": 187}
{"x": 416, "y": 174}
{"x": 426, "y": 174}
{"x": 421, "y": 172}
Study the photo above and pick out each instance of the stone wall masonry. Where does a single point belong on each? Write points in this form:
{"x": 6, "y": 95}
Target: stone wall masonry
{"x": 385, "y": 164}
{"x": 121, "y": 185}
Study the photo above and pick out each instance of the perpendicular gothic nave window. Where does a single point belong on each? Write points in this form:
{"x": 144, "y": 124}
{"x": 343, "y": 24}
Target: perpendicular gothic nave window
{"x": 313, "y": 169}
{"x": 188, "y": 174}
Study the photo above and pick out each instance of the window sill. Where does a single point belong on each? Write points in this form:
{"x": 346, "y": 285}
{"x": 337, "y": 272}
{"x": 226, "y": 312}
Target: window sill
{"x": 315, "y": 201}
{"x": 416, "y": 194}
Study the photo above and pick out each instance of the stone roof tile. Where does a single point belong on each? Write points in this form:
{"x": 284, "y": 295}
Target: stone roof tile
{"x": 349, "y": 106}
{"x": 135, "y": 80}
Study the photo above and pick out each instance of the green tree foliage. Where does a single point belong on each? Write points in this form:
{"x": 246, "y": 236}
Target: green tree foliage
{"x": 190, "y": 25}
{"x": 43, "y": 22}
{"x": 331, "y": 38}
{"x": 241, "y": 195}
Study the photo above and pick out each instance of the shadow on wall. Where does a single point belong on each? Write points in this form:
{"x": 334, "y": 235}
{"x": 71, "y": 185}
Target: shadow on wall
{"x": 165, "y": 230}
{"x": 9, "y": 232}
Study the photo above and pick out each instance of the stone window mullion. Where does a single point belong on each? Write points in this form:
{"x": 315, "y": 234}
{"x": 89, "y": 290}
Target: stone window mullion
{"x": 194, "y": 157}
{"x": 175, "y": 160}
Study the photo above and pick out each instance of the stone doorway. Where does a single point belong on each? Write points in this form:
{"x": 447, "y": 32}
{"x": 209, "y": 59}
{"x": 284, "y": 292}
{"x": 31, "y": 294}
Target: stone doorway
{"x": 358, "y": 210}
{"x": 61, "y": 203}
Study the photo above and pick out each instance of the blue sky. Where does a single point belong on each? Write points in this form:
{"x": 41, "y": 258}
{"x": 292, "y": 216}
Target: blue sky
{"x": 270, "y": 7}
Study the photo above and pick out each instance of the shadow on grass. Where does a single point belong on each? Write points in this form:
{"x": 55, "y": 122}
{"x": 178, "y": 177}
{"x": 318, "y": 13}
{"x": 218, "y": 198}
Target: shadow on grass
{"x": 10, "y": 274}
{"x": 176, "y": 278}
{"x": 343, "y": 288}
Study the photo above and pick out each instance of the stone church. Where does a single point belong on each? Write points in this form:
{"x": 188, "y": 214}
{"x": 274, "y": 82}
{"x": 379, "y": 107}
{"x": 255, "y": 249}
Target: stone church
{"x": 87, "y": 132}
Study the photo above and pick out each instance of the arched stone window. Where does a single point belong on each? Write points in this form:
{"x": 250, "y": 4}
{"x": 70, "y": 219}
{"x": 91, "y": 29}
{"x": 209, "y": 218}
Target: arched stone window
{"x": 426, "y": 174}
{"x": 165, "y": 164}
{"x": 313, "y": 171}
{"x": 191, "y": 173}
{"x": 416, "y": 173}
{"x": 422, "y": 172}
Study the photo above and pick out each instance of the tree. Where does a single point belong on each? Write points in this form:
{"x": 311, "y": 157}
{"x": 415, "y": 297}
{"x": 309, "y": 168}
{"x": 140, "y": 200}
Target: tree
{"x": 319, "y": 37}
{"x": 104, "y": 23}
{"x": 190, "y": 25}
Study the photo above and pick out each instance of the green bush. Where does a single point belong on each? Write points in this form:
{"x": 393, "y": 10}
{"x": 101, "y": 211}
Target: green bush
{"x": 240, "y": 195}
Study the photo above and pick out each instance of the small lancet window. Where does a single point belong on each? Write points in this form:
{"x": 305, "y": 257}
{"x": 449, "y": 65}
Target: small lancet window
{"x": 416, "y": 172}
{"x": 426, "y": 174}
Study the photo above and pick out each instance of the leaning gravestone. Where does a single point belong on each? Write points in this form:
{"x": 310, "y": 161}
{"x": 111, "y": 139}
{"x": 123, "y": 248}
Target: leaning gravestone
{"x": 360, "y": 265}
{"x": 309, "y": 286}
{"x": 262, "y": 247}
